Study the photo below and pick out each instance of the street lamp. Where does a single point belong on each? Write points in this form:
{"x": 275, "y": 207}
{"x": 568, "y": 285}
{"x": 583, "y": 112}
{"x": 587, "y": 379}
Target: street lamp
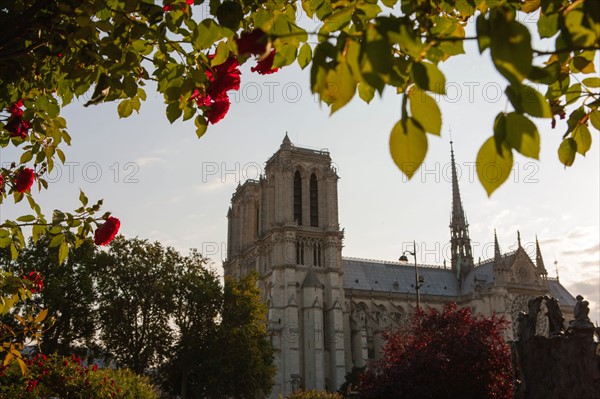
{"x": 419, "y": 280}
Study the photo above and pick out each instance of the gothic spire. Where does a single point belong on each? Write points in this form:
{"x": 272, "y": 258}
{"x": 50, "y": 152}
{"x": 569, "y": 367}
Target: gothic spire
{"x": 539, "y": 261}
{"x": 519, "y": 238}
{"x": 498, "y": 262}
{"x": 286, "y": 144}
{"x": 462, "y": 257}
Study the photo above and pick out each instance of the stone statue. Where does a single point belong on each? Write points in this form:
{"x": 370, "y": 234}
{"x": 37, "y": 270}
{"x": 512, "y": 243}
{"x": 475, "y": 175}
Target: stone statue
{"x": 555, "y": 317}
{"x": 523, "y": 331}
{"x": 534, "y": 306}
{"x": 581, "y": 313}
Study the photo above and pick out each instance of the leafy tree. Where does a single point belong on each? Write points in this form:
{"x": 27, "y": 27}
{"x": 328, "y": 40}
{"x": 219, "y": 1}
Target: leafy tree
{"x": 68, "y": 295}
{"x": 446, "y": 354}
{"x": 198, "y": 300}
{"x": 245, "y": 357}
{"x": 135, "y": 301}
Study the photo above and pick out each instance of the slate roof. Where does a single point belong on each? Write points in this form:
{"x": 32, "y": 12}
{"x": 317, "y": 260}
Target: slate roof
{"x": 559, "y": 292}
{"x": 380, "y": 276}
{"x": 481, "y": 274}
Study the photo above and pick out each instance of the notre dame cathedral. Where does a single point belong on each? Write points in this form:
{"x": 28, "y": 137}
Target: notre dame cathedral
{"x": 328, "y": 313}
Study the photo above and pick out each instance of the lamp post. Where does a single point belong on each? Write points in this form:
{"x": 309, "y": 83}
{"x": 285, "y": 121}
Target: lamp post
{"x": 419, "y": 280}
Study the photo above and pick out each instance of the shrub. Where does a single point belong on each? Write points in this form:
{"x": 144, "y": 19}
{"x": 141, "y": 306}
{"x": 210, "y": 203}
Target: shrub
{"x": 54, "y": 376}
{"x": 444, "y": 355}
{"x": 313, "y": 395}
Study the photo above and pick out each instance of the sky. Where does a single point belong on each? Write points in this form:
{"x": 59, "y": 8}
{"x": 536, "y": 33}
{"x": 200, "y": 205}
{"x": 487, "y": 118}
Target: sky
{"x": 165, "y": 184}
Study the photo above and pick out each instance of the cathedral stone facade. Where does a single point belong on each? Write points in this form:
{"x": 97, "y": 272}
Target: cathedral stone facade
{"x": 327, "y": 314}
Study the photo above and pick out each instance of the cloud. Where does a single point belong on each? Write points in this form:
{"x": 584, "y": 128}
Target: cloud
{"x": 593, "y": 250}
{"x": 144, "y": 161}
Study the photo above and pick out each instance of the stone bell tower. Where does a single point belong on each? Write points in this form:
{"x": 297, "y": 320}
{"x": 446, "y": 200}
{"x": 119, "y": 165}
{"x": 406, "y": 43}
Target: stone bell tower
{"x": 285, "y": 227}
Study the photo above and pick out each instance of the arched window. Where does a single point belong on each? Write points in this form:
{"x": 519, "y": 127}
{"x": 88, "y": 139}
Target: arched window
{"x": 298, "y": 198}
{"x": 314, "y": 201}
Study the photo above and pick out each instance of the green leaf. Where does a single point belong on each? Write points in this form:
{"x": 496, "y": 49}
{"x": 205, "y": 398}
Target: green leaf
{"x": 527, "y": 99}
{"x": 284, "y": 56}
{"x": 573, "y": 93}
{"x": 522, "y": 135}
{"x": 337, "y": 20}
{"x": 205, "y": 34}
{"x": 26, "y": 218}
{"x": 82, "y": 198}
{"x": 339, "y": 88}
{"x": 493, "y": 168}
{"x": 305, "y": 55}
{"x": 428, "y": 77}
{"x": 37, "y": 231}
{"x": 63, "y": 251}
{"x": 591, "y": 82}
{"x": 408, "y": 146}
{"x": 595, "y": 119}
{"x": 567, "y": 151}
{"x": 500, "y": 131}
{"x": 221, "y": 55}
{"x": 483, "y": 34}
{"x": 366, "y": 92}
{"x": 26, "y": 157}
{"x": 125, "y": 108}
{"x": 582, "y": 136}
{"x": 425, "y": 111}
{"x": 548, "y": 25}
{"x": 173, "y": 112}
{"x": 511, "y": 48}
{"x": 56, "y": 240}
{"x": 201, "y": 125}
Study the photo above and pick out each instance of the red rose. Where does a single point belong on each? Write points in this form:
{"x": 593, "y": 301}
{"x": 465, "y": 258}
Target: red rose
{"x": 15, "y": 109}
{"x": 107, "y": 231}
{"x": 24, "y": 180}
{"x": 218, "y": 109}
{"x": 190, "y": 2}
{"x": 1, "y": 183}
{"x": 167, "y": 7}
{"x": 36, "y": 279}
{"x": 18, "y": 127}
{"x": 203, "y": 100}
{"x": 224, "y": 77}
{"x": 254, "y": 42}
{"x": 265, "y": 65}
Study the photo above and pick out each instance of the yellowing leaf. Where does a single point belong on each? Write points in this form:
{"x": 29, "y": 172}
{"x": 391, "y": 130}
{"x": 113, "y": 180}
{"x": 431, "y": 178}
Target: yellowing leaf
{"x": 425, "y": 111}
{"x": 41, "y": 316}
{"x": 493, "y": 168}
{"x": 63, "y": 251}
{"x": 408, "y": 146}
{"x": 305, "y": 55}
{"x": 595, "y": 119}
{"x": 428, "y": 77}
{"x": 522, "y": 135}
{"x": 582, "y": 136}
{"x": 567, "y": 151}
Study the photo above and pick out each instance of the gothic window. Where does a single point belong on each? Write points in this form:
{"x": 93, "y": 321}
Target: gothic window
{"x": 298, "y": 197}
{"x": 257, "y": 220}
{"x": 299, "y": 253}
{"x": 317, "y": 254}
{"x": 314, "y": 201}
{"x": 520, "y": 304}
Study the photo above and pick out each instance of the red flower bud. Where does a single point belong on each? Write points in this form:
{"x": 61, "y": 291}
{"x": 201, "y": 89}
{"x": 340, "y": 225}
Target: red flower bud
{"x": 107, "y": 231}
{"x": 167, "y": 7}
{"x": 24, "y": 180}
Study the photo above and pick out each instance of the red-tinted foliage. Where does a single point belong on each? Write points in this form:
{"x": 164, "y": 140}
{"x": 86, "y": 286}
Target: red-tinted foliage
{"x": 447, "y": 354}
